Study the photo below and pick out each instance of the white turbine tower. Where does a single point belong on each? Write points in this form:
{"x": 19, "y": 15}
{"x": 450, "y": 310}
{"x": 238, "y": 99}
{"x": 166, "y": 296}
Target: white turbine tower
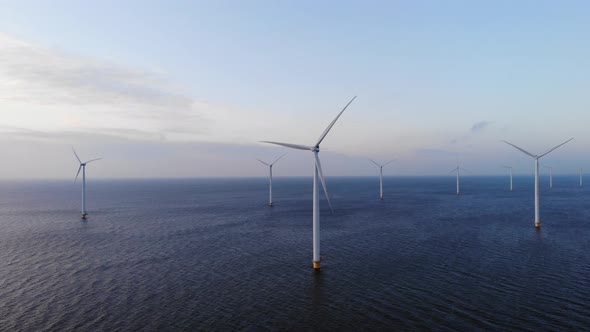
{"x": 270, "y": 178}
{"x": 550, "y": 176}
{"x": 381, "y": 175}
{"x": 536, "y": 158}
{"x": 317, "y": 173}
{"x": 83, "y": 169}
{"x": 510, "y": 168}
{"x": 457, "y": 169}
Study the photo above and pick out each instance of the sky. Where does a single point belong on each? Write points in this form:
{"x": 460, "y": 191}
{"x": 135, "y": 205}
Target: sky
{"x": 190, "y": 88}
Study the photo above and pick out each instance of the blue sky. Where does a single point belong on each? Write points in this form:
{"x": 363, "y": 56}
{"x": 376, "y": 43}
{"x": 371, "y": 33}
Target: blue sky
{"x": 198, "y": 84}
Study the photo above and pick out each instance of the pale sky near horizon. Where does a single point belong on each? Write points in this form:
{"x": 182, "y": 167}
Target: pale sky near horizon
{"x": 189, "y": 88}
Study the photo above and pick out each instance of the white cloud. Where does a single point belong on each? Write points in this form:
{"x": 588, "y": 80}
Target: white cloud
{"x": 480, "y": 126}
{"x": 43, "y": 89}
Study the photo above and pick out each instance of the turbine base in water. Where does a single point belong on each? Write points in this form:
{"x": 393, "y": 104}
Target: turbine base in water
{"x": 537, "y": 224}
{"x": 84, "y": 216}
{"x": 316, "y": 265}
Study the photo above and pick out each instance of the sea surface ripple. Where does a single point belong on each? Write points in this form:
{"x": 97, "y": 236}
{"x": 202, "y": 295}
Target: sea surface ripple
{"x": 209, "y": 254}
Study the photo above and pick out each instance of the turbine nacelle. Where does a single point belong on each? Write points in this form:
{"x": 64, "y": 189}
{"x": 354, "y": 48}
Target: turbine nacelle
{"x": 274, "y": 162}
{"x": 535, "y": 156}
{"x": 458, "y": 168}
{"x": 316, "y": 149}
{"x": 381, "y": 165}
{"x": 82, "y": 164}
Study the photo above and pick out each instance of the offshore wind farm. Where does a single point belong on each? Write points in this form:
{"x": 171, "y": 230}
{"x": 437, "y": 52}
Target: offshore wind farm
{"x": 200, "y": 214}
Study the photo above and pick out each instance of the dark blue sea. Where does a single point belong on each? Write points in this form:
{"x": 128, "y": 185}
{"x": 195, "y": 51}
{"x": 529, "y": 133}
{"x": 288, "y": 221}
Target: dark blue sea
{"x": 210, "y": 255}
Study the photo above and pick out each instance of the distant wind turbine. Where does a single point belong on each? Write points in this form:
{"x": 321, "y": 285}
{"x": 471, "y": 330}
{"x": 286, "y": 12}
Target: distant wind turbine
{"x": 83, "y": 169}
{"x": 536, "y": 158}
{"x": 510, "y": 168}
{"x": 317, "y": 173}
{"x": 550, "y": 176}
{"x": 381, "y": 175}
{"x": 270, "y": 178}
{"x": 457, "y": 169}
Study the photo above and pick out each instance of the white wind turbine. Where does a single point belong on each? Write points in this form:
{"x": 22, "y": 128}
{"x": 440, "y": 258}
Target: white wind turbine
{"x": 510, "y": 168}
{"x": 317, "y": 173}
{"x": 270, "y": 181}
{"x": 536, "y": 158}
{"x": 550, "y": 176}
{"x": 83, "y": 169}
{"x": 381, "y": 175}
{"x": 457, "y": 169}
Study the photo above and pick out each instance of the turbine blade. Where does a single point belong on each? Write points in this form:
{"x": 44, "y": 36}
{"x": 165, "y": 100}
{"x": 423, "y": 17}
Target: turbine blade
{"x": 262, "y": 162}
{"x": 506, "y": 166}
{"x": 79, "y": 169}
{"x": 278, "y": 158}
{"x": 465, "y": 169}
{"x": 75, "y": 154}
{"x": 319, "y": 167}
{"x": 292, "y": 146}
{"x": 373, "y": 161}
{"x": 522, "y": 150}
{"x": 332, "y": 123}
{"x": 556, "y": 147}
{"x": 454, "y": 169}
{"x": 389, "y": 162}
{"x": 91, "y": 160}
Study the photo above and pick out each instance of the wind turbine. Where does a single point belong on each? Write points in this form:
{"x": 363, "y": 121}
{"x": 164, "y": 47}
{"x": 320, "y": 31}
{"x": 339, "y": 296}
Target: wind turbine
{"x": 510, "y": 168}
{"x": 536, "y": 158}
{"x": 317, "y": 173}
{"x": 550, "y": 176}
{"x": 83, "y": 169}
{"x": 381, "y": 175}
{"x": 457, "y": 169}
{"x": 270, "y": 182}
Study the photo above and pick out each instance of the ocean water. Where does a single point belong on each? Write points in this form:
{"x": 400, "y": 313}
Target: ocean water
{"x": 209, "y": 254}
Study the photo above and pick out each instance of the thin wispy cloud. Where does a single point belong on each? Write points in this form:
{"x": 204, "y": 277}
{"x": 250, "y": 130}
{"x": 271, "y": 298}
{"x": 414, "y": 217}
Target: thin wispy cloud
{"x": 47, "y": 90}
{"x": 480, "y": 126}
